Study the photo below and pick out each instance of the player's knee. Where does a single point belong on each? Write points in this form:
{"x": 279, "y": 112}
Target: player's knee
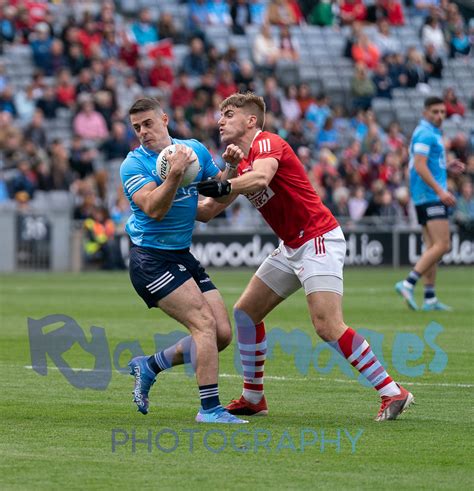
{"x": 204, "y": 322}
{"x": 238, "y": 308}
{"x": 242, "y": 315}
{"x": 443, "y": 245}
{"x": 224, "y": 338}
{"x": 446, "y": 246}
{"x": 327, "y": 327}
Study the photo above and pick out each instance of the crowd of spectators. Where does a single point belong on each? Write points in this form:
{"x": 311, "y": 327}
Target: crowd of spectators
{"x": 91, "y": 64}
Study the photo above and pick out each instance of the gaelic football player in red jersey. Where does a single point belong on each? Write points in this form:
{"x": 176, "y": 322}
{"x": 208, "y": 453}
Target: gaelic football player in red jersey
{"x": 310, "y": 255}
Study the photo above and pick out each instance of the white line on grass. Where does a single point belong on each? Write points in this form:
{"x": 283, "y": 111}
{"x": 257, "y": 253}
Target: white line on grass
{"x": 279, "y": 378}
{"x": 226, "y": 289}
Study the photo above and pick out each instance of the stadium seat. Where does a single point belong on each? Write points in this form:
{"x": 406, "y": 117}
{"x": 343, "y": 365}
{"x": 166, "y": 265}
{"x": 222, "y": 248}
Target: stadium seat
{"x": 336, "y": 46}
{"x": 450, "y": 128}
{"x": 217, "y": 30}
{"x": 398, "y": 93}
{"x": 334, "y": 87}
{"x": 435, "y": 84}
{"x": 251, "y": 30}
{"x": 344, "y": 62}
{"x": 179, "y": 52}
{"x": 308, "y": 73}
{"x": 287, "y": 73}
{"x": 381, "y": 104}
{"x": 401, "y": 105}
{"x": 448, "y": 82}
{"x": 239, "y": 42}
{"x": 418, "y": 103}
{"x": 383, "y": 110}
{"x": 329, "y": 72}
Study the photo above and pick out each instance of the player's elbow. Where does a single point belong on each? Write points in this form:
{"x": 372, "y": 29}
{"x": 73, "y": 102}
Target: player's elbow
{"x": 204, "y": 213}
{"x": 203, "y": 217}
{"x": 157, "y": 215}
{"x": 261, "y": 181}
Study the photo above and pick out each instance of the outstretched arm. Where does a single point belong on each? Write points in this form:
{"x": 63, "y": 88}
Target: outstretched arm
{"x": 259, "y": 178}
{"x": 256, "y": 180}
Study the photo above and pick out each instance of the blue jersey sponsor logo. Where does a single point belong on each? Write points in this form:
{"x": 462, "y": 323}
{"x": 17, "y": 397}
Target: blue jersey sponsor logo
{"x": 174, "y": 231}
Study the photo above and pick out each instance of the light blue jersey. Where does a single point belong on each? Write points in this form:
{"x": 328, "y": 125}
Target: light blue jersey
{"x": 175, "y": 229}
{"x": 427, "y": 140}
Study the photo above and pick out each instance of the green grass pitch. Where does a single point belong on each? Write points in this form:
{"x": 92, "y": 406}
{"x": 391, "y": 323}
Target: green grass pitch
{"x": 56, "y": 436}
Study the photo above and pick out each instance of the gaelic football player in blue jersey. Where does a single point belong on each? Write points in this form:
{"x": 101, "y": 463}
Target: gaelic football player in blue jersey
{"x": 162, "y": 269}
{"x": 430, "y": 195}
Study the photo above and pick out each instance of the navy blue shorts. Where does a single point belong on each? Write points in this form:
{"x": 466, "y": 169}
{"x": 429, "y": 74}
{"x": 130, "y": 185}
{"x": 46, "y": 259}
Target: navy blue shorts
{"x": 155, "y": 273}
{"x": 431, "y": 211}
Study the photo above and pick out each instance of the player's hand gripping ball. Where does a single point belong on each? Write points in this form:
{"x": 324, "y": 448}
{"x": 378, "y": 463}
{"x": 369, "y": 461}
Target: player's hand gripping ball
{"x": 163, "y": 166}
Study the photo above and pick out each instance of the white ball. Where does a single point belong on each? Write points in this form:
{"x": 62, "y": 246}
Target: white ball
{"x": 163, "y": 167}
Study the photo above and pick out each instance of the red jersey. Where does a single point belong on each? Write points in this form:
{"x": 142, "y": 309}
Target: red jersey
{"x": 289, "y": 204}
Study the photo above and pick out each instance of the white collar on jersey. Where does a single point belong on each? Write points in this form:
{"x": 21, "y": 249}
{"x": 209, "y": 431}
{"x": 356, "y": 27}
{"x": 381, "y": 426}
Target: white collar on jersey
{"x": 256, "y": 134}
{"x": 145, "y": 151}
{"x": 151, "y": 153}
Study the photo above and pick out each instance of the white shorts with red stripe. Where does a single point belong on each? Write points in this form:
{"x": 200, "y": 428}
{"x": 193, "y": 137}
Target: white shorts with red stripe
{"x": 316, "y": 265}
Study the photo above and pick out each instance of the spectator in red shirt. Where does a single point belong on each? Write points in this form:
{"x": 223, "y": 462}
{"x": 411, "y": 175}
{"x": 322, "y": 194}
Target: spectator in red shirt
{"x": 65, "y": 90}
{"x": 182, "y": 94}
{"x": 395, "y": 138}
{"x": 225, "y": 84}
{"x": 305, "y": 98}
{"x": 365, "y": 52}
{"x": 129, "y": 51}
{"x": 90, "y": 38}
{"x": 161, "y": 75}
{"x": 352, "y": 10}
{"x": 453, "y": 104}
{"x": 326, "y": 166}
{"x": 35, "y": 11}
{"x": 393, "y": 11}
{"x": 298, "y": 14}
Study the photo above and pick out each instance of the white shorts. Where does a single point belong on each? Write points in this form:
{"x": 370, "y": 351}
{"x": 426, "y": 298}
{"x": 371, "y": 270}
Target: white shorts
{"x": 316, "y": 265}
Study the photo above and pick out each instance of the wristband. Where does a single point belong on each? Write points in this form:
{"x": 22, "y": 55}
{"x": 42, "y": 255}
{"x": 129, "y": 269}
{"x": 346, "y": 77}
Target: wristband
{"x": 231, "y": 166}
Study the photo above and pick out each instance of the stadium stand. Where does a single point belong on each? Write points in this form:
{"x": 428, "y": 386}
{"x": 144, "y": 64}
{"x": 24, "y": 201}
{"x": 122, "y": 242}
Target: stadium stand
{"x": 108, "y": 56}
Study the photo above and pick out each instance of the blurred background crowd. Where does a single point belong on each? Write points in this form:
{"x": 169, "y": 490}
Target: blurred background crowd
{"x": 343, "y": 80}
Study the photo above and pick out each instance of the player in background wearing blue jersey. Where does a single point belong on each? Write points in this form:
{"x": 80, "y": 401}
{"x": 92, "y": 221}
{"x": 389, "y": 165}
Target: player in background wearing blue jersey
{"x": 430, "y": 195}
{"x": 162, "y": 269}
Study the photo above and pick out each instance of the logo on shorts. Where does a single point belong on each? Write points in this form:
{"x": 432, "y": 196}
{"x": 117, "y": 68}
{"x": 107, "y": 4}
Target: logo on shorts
{"x": 435, "y": 211}
{"x": 181, "y": 267}
{"x": 160, "y": 282}
{"x": 205, "y": 280}
{"x": 275, "y": 252}
{"x": 319, "y": 246}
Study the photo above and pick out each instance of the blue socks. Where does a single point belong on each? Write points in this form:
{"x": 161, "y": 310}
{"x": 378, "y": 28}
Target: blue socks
{"x": 430, "y": 295}
{"x": 411, "y": 279}
{"x": 209, "y": 395}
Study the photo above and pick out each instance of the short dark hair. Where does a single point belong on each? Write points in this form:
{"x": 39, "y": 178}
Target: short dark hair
{"x": 250, "y": 102}
{"x": 431, "y": 101}
{"x": 145, "y": 104}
